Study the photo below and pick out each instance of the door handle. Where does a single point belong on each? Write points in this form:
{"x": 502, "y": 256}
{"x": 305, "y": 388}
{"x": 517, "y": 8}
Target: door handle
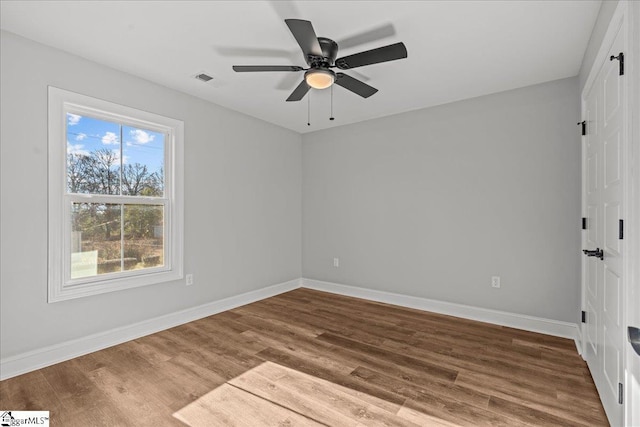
{"x": 598, "y": 253}
{"x": 634, "y": 338}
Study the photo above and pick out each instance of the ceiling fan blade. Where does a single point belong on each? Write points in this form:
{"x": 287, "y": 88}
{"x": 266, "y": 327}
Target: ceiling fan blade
{"x": 253, "y": 68}
{"x": 299, "y": 92}
{"x": 383, "y": 31}
{"x": 305, "y": 36}
{"x": 288, "y": 81}
{"x": 355, "y": 85}
{"x": 374, "y": 56}
{"x": 284, "y": 9}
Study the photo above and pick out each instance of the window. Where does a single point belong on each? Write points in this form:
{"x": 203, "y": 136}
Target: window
{"x": 115, "y": 197}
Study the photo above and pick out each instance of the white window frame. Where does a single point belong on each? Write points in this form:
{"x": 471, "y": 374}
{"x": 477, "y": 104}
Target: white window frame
{"x": 60, "y": 285}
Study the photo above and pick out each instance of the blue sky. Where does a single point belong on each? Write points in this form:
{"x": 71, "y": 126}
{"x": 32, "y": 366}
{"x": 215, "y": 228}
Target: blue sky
{"x": 87, "y": 134}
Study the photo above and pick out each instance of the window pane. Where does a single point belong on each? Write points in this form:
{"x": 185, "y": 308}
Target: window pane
{"x": 143, "y": 236}
{"x": 93, "y": 155}
{"x": 143, "y": 162}
{"x": 95, "y": 239}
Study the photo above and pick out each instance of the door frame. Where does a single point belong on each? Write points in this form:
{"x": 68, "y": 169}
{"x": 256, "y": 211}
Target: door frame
{"x": 627, "y": 13}
{"x": 632, "y": 366}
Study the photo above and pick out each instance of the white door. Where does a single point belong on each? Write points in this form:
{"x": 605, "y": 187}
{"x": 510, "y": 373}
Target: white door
{"x": 604, "y": 330}
{"x": 593, "y": 235}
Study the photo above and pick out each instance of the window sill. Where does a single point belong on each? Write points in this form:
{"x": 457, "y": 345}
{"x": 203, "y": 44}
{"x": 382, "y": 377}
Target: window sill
{"x": 68, "y": 292}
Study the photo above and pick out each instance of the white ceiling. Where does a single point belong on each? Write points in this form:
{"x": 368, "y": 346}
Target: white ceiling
{"x": 456, "y": 49}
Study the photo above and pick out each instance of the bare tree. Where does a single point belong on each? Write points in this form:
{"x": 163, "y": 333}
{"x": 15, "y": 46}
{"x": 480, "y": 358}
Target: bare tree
{"x": 78, "y": 171}
{"x": 105, "y": 172}
{"x": 135, "y": 178}
{"x": 99, "y": 173}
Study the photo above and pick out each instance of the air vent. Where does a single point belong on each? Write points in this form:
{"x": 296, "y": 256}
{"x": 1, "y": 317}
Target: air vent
{"x": 203, "y": 77}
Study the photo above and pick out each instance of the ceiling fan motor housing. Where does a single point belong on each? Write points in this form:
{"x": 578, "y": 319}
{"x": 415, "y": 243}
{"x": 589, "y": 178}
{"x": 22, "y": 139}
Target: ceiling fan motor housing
{"x": 329, "y": 53}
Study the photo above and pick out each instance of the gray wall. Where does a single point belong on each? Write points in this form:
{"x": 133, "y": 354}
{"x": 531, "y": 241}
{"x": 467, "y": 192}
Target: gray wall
{"x": 242, "y": 200}
{"x": 599, "y": 29}
{"x": 428, "y": 203}
{"x": 432, "y": 203}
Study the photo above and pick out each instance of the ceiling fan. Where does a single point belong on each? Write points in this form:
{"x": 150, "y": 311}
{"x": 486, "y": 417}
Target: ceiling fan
{"x": 320, "y": 55}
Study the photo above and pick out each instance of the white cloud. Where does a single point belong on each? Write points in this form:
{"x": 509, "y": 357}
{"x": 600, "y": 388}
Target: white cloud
{"x": 110, "y": 138}
{"x": 73, "y": 119}
{"x": 76, "y": 149}
{"x": 141, "y": 137}
{"x": 81, "y": 136}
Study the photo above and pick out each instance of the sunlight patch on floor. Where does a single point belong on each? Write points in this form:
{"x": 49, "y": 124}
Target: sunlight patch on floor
{"x": 273, "y": 395}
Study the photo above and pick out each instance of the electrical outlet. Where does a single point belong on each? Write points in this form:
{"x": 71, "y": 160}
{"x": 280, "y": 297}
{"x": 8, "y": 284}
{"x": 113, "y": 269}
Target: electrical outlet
{"x": 495, "y": 281}
{"x": 189, "y": 279}
{"x": 336, "y": 262}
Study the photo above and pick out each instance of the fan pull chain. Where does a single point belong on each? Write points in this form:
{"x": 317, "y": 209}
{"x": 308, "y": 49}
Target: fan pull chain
{"x": 331, "y": 118}
{"x": 309, "y": 110}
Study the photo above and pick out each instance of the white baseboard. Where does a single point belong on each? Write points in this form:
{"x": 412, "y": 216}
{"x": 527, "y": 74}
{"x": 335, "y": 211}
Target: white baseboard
{"x": 36, "y": 359}
{"x": 578, "y": 340}
{"x": 503, "y": 318}
{"x": 40, "y": 358}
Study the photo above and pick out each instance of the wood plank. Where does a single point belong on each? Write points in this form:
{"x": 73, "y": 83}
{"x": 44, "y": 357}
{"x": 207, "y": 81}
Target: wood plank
{"x": 431, "y": 369}
{"x": 526, "y": 414}
{"x": 476, "y": 361}
{"x": 303, "y": 365}
{"x": 582, "y": 412}
{"x": 321, "y": 400}
{"x": 134, "y": 402}
{"x": 317, "y": 352}
{"x": 430, "y": 402}
{"x": 228, "y": 406}
{"x": 31, "y": 392}
{"x": 421, "y": 419}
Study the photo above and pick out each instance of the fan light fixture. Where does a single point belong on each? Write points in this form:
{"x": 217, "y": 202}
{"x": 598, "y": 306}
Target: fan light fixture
{"x": 320, "y": 54}
{"x": 319, "y": 78}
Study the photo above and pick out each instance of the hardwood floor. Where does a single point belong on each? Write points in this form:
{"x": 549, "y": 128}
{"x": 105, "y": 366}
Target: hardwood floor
{"x": 312, "y": 358}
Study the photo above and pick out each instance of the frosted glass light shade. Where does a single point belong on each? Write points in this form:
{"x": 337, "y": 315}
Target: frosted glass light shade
{"x": 319, "y": 79}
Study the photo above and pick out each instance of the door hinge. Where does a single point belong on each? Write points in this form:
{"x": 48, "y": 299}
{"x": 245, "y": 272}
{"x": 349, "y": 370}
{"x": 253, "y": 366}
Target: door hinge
{"x": 620, "y": 58}
{"x": 584, "y": 127}
{"x": 584, "y": 223}
{"x": 584, "y": 316}
{"x": 620, "y": 393}
{"x": 621, "y": 229}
